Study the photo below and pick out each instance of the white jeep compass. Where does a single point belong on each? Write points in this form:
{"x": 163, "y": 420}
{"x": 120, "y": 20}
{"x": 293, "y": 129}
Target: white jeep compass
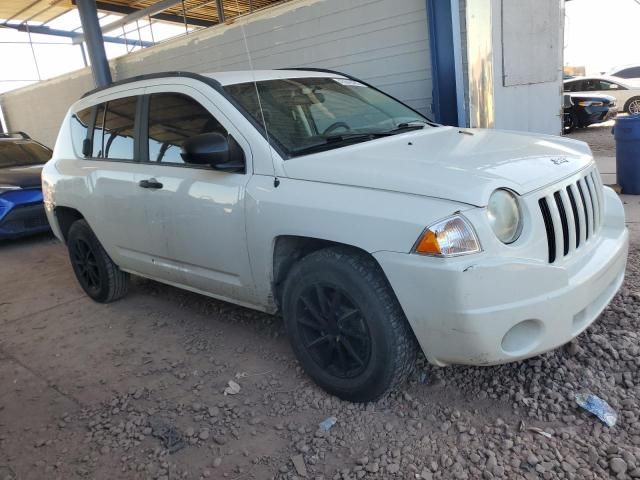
{"x": 372, "y": 229}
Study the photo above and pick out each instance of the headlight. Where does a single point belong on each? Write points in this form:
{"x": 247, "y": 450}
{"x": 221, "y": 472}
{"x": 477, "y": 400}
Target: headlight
{"x": 504, "y": 215}
{"x": 590, "y": 103}
{"x": 448, "y": 238}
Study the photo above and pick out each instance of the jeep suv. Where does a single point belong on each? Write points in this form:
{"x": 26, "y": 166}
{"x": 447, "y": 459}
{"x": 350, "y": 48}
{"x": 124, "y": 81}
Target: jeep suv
{"x": 372, "y": 230}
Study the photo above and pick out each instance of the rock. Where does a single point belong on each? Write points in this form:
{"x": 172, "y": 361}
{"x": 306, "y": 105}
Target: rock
{"x": 617, "y": 465}
{"x": 299, "y": 465}
{"x": 204, "y": 434}
{"x": 393, "y": 468}
{"x": 220, "y": 439}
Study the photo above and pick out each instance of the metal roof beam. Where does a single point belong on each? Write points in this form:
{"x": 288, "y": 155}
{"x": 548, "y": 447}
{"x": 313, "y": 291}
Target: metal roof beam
{"x": 166, "y": 17}
{"x": 136, "y": 15}
{"x": 38, "y": 29}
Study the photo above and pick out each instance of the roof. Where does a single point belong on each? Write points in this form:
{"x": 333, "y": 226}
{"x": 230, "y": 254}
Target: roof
{"x": 608, "y": 78}
{"x": 198, "y": 12}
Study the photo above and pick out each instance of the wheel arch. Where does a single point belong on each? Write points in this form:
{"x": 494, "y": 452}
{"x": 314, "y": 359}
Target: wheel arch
{"x": 290, "y": 249}
{"x": 66, "y": 216}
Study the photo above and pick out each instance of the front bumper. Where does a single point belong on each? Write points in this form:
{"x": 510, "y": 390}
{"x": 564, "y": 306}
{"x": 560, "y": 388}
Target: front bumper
{"x": 494, "y": 310}
{"x": 22, "y": 213}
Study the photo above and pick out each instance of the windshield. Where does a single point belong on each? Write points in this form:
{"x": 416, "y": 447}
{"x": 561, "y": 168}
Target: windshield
{"x": 314, "y": 114}
{"x": 13, "y": 154}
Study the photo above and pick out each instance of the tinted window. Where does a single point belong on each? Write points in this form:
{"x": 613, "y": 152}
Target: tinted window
{"x": 608, "y": 86}
{"x": 571, "y": 86}
{"x": 174, "y": 117}
{"x": 79, "y": 128}
{"x": 118, "y": 130}
{"x": 14, "y": 153}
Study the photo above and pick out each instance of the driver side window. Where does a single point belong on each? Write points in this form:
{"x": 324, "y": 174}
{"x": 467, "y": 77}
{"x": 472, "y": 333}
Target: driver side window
{"x": 173, "y": 118}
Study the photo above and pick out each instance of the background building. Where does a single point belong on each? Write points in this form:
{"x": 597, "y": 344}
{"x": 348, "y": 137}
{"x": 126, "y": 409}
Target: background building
{"x": 480, "y": 63}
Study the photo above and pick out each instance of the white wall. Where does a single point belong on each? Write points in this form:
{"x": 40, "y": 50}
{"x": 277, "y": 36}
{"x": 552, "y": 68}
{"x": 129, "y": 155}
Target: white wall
{"x": 528, "y": 45}
{"x": 523, "y": 76}
{"x": 384, "y": 42}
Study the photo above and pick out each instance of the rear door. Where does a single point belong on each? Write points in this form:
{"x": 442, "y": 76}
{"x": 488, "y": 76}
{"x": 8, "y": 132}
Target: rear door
{"x": 111, "y": 170}
{"x": 201, "y": 209}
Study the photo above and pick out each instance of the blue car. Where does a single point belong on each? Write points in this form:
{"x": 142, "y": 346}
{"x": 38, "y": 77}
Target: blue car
{"x": 21, "y": 208}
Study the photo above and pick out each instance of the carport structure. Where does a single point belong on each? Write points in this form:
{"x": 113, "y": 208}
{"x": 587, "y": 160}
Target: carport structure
{"x": 91, "y": 23}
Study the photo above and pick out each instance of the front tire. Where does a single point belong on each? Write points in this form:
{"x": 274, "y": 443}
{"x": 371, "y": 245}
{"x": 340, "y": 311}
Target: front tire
{"x": 346, "y": 326}
{"x": 98, "y": 276}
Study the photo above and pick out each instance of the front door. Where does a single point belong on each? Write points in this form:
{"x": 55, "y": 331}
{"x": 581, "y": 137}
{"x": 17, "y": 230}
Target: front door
{"x": 201, "y": 210}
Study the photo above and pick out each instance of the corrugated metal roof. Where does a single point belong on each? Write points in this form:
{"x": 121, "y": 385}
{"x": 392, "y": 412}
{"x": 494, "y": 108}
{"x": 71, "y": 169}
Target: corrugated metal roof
{"x": 200, "y": 12}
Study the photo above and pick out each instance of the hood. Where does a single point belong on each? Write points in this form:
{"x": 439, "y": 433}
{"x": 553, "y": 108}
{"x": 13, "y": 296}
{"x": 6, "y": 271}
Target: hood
{"x": 448, "y": 163}
{"x": 24, "y": 177}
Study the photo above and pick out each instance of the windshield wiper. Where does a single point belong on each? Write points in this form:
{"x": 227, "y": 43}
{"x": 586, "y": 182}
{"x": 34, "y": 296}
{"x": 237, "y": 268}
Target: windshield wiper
{"x": 335, "y": 141}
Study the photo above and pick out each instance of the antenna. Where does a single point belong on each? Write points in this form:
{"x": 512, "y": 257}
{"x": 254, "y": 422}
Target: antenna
{"x": 276, "y": 181}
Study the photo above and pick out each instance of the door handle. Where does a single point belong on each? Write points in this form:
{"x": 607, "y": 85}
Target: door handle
{"x": 150, "y": 183}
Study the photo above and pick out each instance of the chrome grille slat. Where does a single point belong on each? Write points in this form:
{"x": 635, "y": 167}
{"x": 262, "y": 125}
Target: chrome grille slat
{"x": 572, "y": 215}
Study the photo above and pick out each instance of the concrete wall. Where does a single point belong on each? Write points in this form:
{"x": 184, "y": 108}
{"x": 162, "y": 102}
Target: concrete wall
{"x": 384, "y": 42}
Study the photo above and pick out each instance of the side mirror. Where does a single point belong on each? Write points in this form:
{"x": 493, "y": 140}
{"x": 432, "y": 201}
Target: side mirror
{"x": 221, "y": 152}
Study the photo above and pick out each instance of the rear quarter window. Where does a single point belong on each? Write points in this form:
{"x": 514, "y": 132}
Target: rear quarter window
{"x": 80, "y": 129}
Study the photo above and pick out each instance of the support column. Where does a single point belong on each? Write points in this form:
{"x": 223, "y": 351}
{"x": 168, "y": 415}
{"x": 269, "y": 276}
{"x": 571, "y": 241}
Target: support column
{"x": 95, "y": 44}
{"x": 220, "y": 7}
{"x": 443, "y": 61}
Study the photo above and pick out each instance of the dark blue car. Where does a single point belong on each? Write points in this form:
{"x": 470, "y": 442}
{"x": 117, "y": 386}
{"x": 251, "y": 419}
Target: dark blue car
{"x": 21, "y": 208}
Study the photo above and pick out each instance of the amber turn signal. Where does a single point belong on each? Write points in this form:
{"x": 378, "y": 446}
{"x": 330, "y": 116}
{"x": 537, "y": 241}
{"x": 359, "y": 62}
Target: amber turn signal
{"x": 428, "y": 244}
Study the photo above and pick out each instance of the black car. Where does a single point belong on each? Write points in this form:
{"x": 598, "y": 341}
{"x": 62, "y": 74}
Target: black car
{"x": 21, "y": 203}
{"x": 582, "y": 110}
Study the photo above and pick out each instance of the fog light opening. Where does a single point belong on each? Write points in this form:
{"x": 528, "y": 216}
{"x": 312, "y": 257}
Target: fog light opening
{"x": 522, "y": 337}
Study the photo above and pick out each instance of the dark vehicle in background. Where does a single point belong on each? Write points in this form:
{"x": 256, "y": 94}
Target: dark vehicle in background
{"x": 626, "y": 92}
{"x": 21, "y": 207}
{"x": 582, "y": 110}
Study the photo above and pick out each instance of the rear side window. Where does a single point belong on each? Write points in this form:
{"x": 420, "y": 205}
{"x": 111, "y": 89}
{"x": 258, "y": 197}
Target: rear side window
{"x": 118, "y": 129}
{"x": 174, "y": 117}
{"x": 109, "y": 129}
{"x": 80, "y": 122}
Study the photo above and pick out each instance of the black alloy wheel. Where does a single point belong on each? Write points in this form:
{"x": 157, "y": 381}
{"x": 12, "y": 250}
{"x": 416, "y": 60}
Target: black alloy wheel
{"x": 333, "y": 330}
{"x": 97, "y": 274}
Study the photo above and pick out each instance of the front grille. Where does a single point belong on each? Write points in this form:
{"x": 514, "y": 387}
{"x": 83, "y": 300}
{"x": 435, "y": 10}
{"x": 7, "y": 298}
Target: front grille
{"x": 572, "y": 215}
{"x": 24, "y": 218}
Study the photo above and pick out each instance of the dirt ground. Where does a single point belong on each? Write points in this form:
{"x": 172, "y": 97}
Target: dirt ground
{"x": 135, "y": 389}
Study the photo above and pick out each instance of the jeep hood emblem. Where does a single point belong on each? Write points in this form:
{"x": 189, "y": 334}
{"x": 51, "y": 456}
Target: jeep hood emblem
{"x": 559, "y": 160}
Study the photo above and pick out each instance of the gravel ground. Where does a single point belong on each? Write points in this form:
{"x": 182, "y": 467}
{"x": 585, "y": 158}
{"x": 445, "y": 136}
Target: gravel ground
{"x": 136, "y": 390}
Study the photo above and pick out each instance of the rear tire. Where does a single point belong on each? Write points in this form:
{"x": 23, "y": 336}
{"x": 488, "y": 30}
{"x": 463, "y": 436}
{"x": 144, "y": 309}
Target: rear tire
{"x": 346, "y": 326}
{"x": 98, "y": 276}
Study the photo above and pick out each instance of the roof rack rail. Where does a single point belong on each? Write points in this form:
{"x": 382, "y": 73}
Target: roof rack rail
{"x": 15, "y": 134}
{"x": 150, "y": 76}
